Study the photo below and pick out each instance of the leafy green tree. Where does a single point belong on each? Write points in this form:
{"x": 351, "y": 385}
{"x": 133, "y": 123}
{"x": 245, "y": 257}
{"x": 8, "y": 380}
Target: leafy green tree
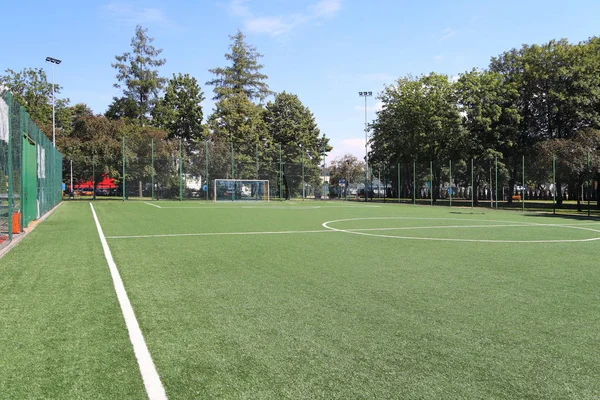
{"x": 572, "y": 160}
{"x": 558, "y": 86}
{"x": 31, "y": 89}
{"x": 243, "y": 75}
{"x": 419, "y": 121}
{"x": 492, "y": 119}
{"x": 239, "y": 122}
{"x": 347, "y": 167}
{"x": 138, "y": 77}
{"x": 293, "y": 125}
{"x": 180, "y": 110}
{"x": 95, "y": 147}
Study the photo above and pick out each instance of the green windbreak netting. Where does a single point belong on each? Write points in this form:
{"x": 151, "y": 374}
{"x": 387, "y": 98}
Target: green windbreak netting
{"x": 30, "y": 170}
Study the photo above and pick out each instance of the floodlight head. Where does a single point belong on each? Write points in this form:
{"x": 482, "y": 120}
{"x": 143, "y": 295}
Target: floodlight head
{"x": 364, "y": 94}
{"x": 53, "y": 60}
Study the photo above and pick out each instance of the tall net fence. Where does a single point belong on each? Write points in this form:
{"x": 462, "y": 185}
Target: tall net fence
{"x": 173, "y": 170}
{"x": 30, "y": 170}
{"x": 170, "y": 169}
{"x": 535, "y": 183}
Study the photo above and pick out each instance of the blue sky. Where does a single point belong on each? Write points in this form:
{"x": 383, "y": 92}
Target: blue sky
{"x": 325, "y": 51}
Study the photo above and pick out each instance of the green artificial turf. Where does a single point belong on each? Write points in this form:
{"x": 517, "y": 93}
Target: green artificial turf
{"x": 62, "y": 335}
{"x": 404, "y": 303}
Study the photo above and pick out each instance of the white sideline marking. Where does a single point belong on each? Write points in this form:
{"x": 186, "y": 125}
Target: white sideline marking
{"x": 153, "y": 205}
{"x": 216, "y": 234}
{"x": 154, "y": 387}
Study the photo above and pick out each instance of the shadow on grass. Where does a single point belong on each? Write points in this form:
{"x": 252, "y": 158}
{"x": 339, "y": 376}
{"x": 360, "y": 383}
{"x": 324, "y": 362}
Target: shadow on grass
{"x": 573, "y": 217}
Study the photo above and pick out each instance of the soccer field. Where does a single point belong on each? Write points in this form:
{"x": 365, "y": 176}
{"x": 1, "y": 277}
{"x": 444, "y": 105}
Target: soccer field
{"x": 303, "y": 300}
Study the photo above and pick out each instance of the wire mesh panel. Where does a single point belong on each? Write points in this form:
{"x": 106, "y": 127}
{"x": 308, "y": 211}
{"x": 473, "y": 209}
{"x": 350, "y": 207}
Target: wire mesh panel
{"x": 540, "y": 190}
{"x": 30, "y": 170}
{"x": 241, "y": 190}
{"x": 4, "y": 171}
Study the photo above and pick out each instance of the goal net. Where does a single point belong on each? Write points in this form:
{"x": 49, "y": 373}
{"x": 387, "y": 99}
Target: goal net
{"x": 241, "y": 190}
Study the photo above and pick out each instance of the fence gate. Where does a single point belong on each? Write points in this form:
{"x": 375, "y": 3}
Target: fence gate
{"x": 29, "y": 187}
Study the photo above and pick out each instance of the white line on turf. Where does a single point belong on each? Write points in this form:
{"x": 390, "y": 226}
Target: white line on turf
{"x": 153, "y": 205}
{"x": 524, "y": 224}
{"x": 152, "y": 383}
{"x": 266, "y": 207}
{"x": 216, "y": 234}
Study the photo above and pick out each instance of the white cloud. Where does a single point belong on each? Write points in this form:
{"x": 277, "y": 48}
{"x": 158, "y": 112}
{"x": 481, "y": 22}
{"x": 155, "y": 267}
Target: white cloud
{"x": 327, "y": 8}
{"x": 379, "y": 77}
{"x": 355, "y": 146}
{"x": 239, "y": 8}
{"x": 377, "y": 107}
{"x": 448, "y": 33}
{"x": 127, "y": 14}
{"x": 272, "y": 25}
{"x": 276, "y": 25}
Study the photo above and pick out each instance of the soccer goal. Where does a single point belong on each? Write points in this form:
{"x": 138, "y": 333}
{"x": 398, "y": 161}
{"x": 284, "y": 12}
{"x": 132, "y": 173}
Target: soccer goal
{"x": 241, "y": 190}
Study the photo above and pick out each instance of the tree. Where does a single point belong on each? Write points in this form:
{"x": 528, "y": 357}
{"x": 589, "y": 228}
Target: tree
{"x": 95, "y": 147}
{"x": 239, "y": 122}
{"x": 243, "y": 76}
{"x": 492, "y": 120}
{"x": 293, "y": 125}
{"x": 419, "y": 121}
{"x": 347, "y": 167}
{"x": 180, "y": 110}
{"x": 558, "y": 86}
{"x": 138, "y": 77}
{"x": 32, "y": 90}
{"x": 571, "y": 158}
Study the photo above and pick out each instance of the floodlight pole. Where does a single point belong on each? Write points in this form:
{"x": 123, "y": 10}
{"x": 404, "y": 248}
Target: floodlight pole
{"x": 206, "y": 173}
{"x": 152, "y": 147}
{"x": 399, "y": 183}
{"x": 523, "y": 190}
{"x": 472, "y": 184}
{"x": 302, "y": 149}
{"x": 589, "y": 183}
{"x": 496, "y": 183}
{"x": 365, "y": 95}
{"x": 180, "y": 173}
{"x": 431, "y": 183}
{"x": 72, "y": 195}
{"x": 451, "y": 190}
{"x": 54, "y": 62}
{"x": 554, "y": 183}
{"x": 123, "y": 151}
{"x": 414, "y": 183}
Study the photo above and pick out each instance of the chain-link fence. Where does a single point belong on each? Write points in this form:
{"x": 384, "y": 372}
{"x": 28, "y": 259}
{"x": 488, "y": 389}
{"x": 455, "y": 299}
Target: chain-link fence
{"x": 30, "y": 170}
{"x": 541, "y": 182}
{"x": 172, "y": 169}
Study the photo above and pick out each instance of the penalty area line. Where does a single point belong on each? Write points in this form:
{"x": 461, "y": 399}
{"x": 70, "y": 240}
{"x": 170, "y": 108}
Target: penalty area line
{"x": 152, "y": 383}
{"x": 153, "y": 205}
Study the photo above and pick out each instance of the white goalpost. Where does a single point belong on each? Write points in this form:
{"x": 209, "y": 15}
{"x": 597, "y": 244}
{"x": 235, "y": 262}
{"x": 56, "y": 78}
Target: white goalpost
{"x": 241, "y": 190}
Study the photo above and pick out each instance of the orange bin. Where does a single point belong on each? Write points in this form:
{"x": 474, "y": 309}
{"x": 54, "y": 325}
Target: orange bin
{"x": 16, "y": 222}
